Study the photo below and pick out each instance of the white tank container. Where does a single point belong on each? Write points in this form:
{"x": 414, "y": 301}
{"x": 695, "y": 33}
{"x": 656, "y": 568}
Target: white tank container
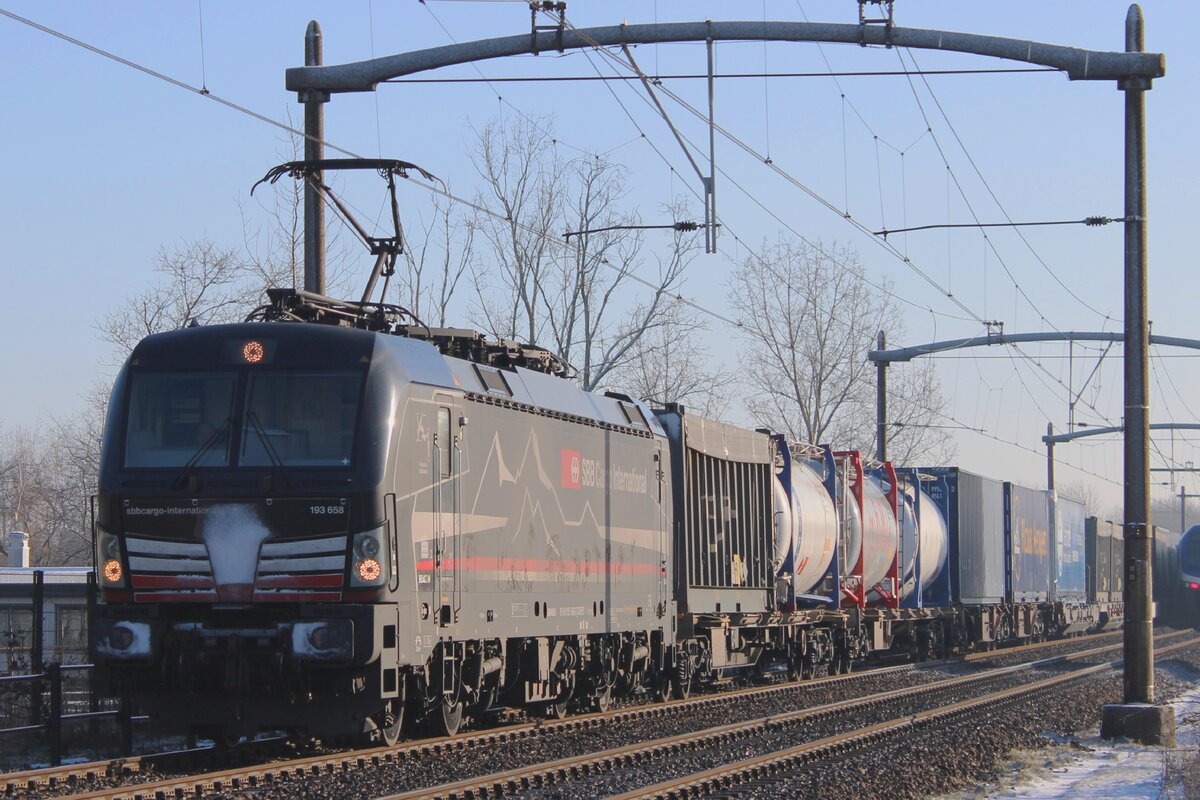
{"x": 932, "y": 539}
{"x": 816, "y": 527}
{"x": 880, "y": 533}
{"x": 784, "y": 525}
{"x": 852, "y": 535}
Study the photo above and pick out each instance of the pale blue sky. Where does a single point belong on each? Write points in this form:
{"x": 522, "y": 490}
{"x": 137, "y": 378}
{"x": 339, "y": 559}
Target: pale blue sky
{"x": 106, "y": 164}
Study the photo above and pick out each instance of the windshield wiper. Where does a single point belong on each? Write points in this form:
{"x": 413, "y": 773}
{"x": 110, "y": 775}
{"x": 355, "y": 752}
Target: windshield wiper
{"x": 276, "y": 461}
{"x": 219, "y": 433}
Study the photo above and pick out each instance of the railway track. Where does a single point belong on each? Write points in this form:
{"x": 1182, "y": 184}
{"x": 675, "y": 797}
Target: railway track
{"x": 141, "y": 770}
{"x": 778, "y": 767}
{"x": 519, "y": 782}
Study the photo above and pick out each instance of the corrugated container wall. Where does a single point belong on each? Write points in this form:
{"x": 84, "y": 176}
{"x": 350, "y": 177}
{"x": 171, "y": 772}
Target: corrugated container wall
{"x": 974, "y": 509}
{"x": 725, "y": 531}
{"x": 1027, "y": 529}
{"x": 1071, "y": 583}
{"x": 1116, "y": 561}
{"x": 1098, "y": 546}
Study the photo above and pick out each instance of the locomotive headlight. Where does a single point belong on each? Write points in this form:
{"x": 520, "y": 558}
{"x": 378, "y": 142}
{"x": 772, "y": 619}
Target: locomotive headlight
{"x": 368, "y": 546}
{"x": 323, "y": 640}
{"x": 108, "y": 557}
{"x": 368, "y": 570}
{"x": 122, "y": 639}
{"x": 370, "y": 565}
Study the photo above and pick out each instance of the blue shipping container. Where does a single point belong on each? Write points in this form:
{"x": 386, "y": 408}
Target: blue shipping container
{"x": 1069, "y": 549}
{"x": 974, "y": 510}
{"x": 1027, "y": 539}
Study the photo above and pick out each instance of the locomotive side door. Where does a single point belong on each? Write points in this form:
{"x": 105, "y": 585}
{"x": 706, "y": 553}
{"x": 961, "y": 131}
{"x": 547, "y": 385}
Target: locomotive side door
{"x": 447, "y": 542}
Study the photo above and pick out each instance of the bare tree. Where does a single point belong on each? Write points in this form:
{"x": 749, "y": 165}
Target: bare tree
{"x": 200, "y": 282}
{"x": 672, "y": 365}
{"x": 521, "y": 173}
{"x": 274, "y": 242}
{"x": 580, "y": 295}
{"x": 45, "y": 485}
{"x": 809, "y": 319}
{"x": 1086, "y": 493}
{"x": 436, "y": 265}
{"x": 915, "y": 409}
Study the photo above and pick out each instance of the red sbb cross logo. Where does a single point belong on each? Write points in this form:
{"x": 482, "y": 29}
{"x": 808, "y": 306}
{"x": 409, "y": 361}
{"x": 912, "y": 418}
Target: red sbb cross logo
{"x": 572, "y": 469}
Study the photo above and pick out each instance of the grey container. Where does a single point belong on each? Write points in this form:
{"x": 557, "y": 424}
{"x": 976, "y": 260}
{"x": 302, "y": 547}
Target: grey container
{"x": 1098, "y": 551}
{"x": 974, "y": 509}
{"x": 724, "y": 514}
{"x": 1116, "y": 563}
{"x": 1027, "y": 536}
{"x": 1069, "y": 549}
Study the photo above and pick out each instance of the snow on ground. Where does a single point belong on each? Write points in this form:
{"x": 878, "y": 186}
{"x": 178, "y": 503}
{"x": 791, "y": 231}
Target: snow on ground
{"x": 1098, "y": 770}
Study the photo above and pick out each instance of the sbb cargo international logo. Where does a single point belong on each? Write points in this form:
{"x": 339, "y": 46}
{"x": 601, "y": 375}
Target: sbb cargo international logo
{"x": 572, "y": 469}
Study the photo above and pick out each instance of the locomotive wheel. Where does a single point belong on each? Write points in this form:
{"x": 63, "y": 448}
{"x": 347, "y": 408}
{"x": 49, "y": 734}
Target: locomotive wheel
{"x": 391, "y": 722}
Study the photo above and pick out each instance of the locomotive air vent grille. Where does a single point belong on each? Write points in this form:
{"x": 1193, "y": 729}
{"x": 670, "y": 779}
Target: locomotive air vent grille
{"x": 164, "y": 570}
{"x": 301, "y": 569}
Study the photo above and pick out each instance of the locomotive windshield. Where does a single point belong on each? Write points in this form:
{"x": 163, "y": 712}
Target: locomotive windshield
{"x": 300, "y": 419}
{"x": 1190, "y": 555}
{"x": 173, "y": 415}
{"x": 287, "y": 418}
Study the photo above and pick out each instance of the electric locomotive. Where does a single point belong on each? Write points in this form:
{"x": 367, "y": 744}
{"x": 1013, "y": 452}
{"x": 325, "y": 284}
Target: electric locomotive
{"x": 327, "y": 529}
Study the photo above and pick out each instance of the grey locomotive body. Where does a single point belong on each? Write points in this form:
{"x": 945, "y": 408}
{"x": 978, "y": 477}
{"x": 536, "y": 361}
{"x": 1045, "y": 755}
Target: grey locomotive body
{"x": 323, "y": 528}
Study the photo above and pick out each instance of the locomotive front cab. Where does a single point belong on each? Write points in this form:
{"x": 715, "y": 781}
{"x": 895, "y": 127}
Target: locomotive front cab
{"x": 247, "y": 565}
{"x": 1189, "y": 567}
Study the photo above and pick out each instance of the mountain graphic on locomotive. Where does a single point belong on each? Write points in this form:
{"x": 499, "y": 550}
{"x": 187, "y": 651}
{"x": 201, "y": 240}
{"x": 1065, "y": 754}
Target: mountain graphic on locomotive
{"x": 339, "y": 521}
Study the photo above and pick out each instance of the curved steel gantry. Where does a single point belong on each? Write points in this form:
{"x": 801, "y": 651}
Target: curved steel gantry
{"x": 884, "y": 357}
{"x": 909, "y": 353}
{"x": 1057, "y": 438}
{"x": 1078, "y": 64}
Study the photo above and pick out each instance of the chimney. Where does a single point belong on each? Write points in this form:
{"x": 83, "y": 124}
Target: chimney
{"x": 18, "y": 549}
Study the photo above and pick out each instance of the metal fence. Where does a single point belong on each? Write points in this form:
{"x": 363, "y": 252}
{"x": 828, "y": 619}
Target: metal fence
{"x": 47, "y": 688}
{"x": 61, "y": 695}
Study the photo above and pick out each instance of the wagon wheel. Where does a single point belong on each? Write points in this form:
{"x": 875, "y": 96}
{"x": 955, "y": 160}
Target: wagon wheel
{"x": 557, "y": 709}
{"x": 447, "y": 718}
{"x": 603, "y": 679}
{"x": 602, "y": 699}
{"x": 681, "y": 677}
